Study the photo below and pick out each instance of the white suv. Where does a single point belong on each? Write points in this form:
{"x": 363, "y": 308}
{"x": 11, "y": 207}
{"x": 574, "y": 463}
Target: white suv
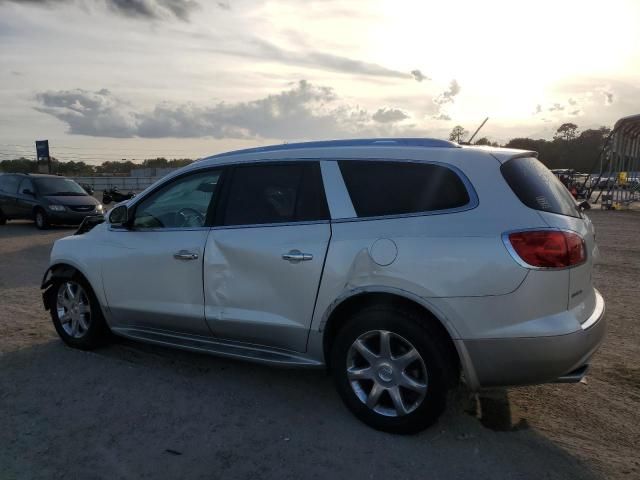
{"x": 401, "y": 264}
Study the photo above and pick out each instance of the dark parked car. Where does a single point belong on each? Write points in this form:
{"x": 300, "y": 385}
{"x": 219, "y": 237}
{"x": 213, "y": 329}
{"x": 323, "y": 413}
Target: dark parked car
{"x": 46, "y": 199}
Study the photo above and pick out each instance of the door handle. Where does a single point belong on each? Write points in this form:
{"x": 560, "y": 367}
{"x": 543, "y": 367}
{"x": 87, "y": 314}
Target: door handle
{"x": 185, "y": 255}
{"x": 295, "y": 256}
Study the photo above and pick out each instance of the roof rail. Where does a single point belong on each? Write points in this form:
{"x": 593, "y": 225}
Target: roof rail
{"x": 359, "y": 142}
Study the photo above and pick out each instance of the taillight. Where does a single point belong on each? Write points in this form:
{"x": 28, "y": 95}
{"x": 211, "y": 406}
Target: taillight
{"x": 547, "y": 248}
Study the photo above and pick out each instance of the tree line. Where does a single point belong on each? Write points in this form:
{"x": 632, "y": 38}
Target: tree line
{"x": 83, "y": 169}
{"x": 569, "y": 148}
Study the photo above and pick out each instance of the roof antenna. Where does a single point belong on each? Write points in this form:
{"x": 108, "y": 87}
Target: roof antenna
{"x": 477, "y": 130}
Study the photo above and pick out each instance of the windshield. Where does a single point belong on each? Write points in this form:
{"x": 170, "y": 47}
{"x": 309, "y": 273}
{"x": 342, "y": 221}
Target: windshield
{"x": 58, "y": 186}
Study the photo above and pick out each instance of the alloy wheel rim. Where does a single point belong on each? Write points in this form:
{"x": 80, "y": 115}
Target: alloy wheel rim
{"x": 39, "y": 219}
{"x": 74, "y": 309}
{"x": 387, "y": 373}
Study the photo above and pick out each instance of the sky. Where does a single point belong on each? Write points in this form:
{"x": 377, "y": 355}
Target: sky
{"x": 111, "y": 79}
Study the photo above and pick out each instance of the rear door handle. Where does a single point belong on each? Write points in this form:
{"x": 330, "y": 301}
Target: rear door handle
{"x": 185, "y": 255}
{"x": 296, "y": 256}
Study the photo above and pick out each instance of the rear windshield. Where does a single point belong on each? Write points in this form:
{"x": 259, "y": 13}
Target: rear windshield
{"x": 537, "y": 187}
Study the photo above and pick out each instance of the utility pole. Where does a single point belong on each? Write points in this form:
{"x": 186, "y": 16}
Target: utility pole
{"x": 477, "y": 130}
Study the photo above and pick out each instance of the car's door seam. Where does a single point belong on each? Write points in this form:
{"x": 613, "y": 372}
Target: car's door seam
{"x": 315, "y": 301}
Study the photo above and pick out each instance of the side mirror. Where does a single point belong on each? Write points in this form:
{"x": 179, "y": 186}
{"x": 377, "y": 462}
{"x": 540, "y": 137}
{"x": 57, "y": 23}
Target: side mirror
{"x": 26, "y": 191}
{"x": 119, "y": 216}
{"x": 584, "y": 205}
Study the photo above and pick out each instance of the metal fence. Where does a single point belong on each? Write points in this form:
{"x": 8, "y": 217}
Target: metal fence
{"x": 124, "y": 184}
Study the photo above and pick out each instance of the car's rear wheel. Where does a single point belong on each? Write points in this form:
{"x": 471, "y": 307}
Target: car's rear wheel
{"x": 3, "y": 219}
{"x": 41, "y": 219}
{"x": 76, "y": 313}
{"x": 391, "y": 369}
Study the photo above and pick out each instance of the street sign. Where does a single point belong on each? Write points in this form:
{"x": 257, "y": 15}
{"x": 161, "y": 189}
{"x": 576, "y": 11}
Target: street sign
{"x": 42, "y": 156}
{"x": 42, "y": 149}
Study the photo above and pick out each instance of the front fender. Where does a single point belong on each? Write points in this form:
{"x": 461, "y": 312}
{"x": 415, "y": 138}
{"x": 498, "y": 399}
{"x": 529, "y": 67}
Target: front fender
{"x": 77, "y": 253}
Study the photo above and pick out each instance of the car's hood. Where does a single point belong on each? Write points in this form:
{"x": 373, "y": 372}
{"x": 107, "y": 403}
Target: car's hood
{"x": 72, "y": 200}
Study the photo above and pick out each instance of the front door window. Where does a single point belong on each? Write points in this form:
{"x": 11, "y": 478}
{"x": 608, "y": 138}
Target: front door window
{"x": 183, "y": 203}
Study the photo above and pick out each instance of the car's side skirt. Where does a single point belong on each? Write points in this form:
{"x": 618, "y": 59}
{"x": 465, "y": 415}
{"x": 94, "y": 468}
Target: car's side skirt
{"x": 214, "y": 346}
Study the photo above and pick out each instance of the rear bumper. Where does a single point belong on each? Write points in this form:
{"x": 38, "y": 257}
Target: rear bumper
{"x": 532, "y": 360}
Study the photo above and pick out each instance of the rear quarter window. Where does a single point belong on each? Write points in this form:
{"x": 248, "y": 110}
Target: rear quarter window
{"x": 537, "y": 187}
{"x": 379, "y": 188}
{"x": 9, "y": 184}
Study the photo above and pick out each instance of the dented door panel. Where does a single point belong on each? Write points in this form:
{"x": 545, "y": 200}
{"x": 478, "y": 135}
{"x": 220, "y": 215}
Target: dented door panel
{"x": 252, "y": 293}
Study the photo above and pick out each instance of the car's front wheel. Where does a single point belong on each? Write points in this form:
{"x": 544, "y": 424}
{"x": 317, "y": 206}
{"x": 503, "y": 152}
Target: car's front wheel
{"x": 391, "y": 369}
{"x": 76, "y": 313}
{"x": 41, "y": 219}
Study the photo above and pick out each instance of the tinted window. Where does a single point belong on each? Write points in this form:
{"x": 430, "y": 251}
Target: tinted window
{"x": 275, "y": 194}
{"x": 391, "y": 188}
{"x": 537, "y": 187}
{"x": 58, "y": 186}
{"x": 9, "y": 183}
{"x": 183, "y": 203}
{"x": 26, "y": 184}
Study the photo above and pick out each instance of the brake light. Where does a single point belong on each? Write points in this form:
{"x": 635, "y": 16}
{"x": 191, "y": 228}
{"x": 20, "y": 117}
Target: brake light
{"x": 547, "y": 248}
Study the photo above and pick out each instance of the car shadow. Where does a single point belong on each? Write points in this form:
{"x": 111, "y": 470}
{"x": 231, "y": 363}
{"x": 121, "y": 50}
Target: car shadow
{"x": 131, "y": 410}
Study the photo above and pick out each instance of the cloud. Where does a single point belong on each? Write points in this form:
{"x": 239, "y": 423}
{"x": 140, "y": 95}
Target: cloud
{"x": 302, "y": 111}
{"x": 89, "y": 112}
{"x": 575, "y": 112}
{"x": 572, "y": 102}
{"x": 538, "y": 109}
{"x": 263, "y": 50}
{"x": 556, "y": 108}
{"x": 141, "y": 9}
{"x": 390, "y": 115}
{"x": 154, "y": 9}
{"x": 419, "y": 76}
{"x": 448, "y": 95}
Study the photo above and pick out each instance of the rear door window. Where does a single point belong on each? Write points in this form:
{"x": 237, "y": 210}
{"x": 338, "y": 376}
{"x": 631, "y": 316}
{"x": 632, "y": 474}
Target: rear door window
{"x": 380, "y": 188}
{"x": 275, "y": 193}
{"x": 537, "y": 187}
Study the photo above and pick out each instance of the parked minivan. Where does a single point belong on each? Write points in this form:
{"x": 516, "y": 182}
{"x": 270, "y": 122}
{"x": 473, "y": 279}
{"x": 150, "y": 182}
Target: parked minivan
{"x": 401, "y": 265}
{"x": 46, "y": 199}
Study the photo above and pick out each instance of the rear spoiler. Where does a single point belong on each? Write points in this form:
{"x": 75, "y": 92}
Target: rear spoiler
{"x": 505, "y": 156}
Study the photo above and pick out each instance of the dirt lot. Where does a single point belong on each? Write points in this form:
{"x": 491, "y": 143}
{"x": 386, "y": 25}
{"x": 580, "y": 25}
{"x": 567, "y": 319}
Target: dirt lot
{"x": 136, "y": 411}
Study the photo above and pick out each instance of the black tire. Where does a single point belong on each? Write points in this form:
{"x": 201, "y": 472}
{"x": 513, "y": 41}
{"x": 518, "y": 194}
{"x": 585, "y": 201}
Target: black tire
{"x": 40, "y": 217}
{"x": 3, "y": 219}
{"x": 426, "y": 338}
{"x": 96, "y": 334}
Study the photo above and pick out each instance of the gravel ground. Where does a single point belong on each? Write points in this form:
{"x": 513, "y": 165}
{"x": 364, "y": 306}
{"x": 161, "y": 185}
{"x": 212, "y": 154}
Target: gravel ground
{"x": 136, "y": 411}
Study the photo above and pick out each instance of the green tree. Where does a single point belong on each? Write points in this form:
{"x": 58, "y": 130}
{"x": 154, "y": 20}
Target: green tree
{"x": 18, "y": 165}
{"x": 458, "y": 134}
{"x": 566, "y": 131}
